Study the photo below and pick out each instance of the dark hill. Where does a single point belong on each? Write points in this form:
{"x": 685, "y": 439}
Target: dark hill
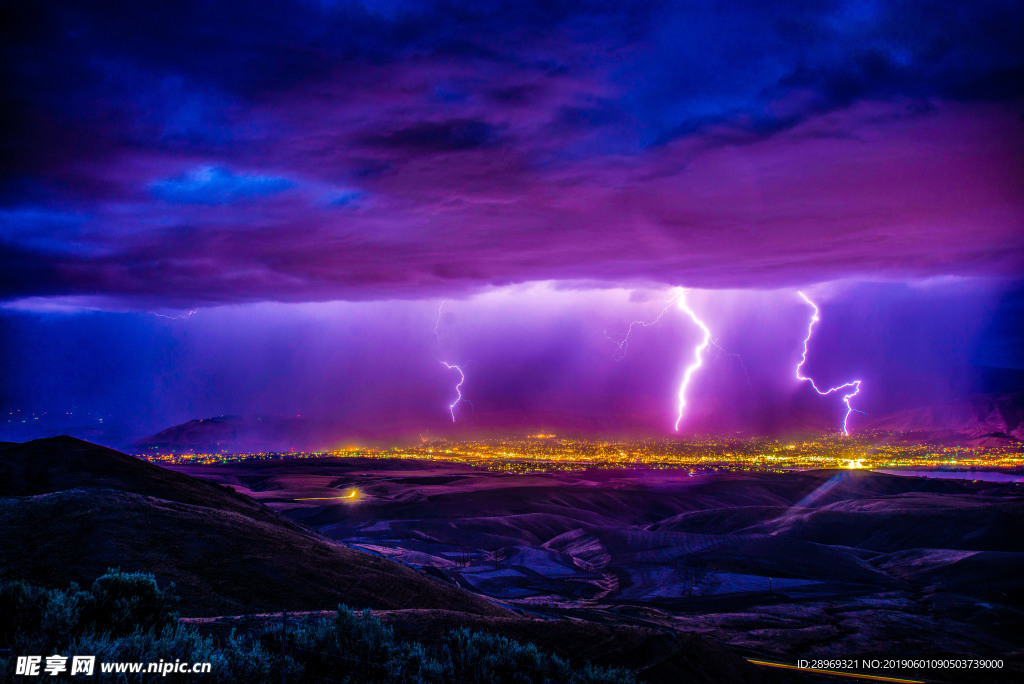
{"x": 56, "y": 464}
{"x": 220, "y": 561}
{"x": 73, "y": 509}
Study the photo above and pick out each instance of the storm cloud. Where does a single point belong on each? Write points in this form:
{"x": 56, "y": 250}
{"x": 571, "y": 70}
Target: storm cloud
{"x": 215, "y": 153}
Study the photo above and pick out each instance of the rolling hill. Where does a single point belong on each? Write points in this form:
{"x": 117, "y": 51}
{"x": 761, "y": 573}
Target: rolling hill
{"x": 71, "y": 509}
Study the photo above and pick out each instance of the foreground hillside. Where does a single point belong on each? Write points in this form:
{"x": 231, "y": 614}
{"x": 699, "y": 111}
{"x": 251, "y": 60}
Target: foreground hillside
{"x": 72, "y": 509}
{"x": 59, "y": 464}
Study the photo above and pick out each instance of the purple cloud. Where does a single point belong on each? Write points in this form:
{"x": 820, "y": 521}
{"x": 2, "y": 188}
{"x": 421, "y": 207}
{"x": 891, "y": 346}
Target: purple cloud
{"x": 874, "y": 191}
{"x": 750, "y": 147}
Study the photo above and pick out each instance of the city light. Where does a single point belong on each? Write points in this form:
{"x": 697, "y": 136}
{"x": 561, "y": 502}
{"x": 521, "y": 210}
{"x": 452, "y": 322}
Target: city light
{"x": 549, "y": 453}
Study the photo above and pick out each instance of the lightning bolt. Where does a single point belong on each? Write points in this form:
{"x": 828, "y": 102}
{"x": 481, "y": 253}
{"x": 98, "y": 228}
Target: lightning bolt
{"x": 184, "y": 316}
{"x": 698, "y": 351}
{"x": 458, "y": 387}
{"x": 450, "y": 366}
{"x": 437, "y": 323}
{"x": 739, "y": 359}
{"x": 855, "y": 384}
{"x": 623, "y": 345}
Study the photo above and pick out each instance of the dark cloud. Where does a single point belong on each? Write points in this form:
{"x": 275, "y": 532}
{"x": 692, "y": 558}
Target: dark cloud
{"x": 437, "y": 136}
{"x": 471, "y": 144}
{"x": 25, "y": 272}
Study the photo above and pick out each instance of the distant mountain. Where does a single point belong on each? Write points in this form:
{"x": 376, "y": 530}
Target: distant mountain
{"x": 979, "y": 420}
{"x": 238, "y": 434}
{"x": 70, "y": 509}
{"x": 206, "y": 435}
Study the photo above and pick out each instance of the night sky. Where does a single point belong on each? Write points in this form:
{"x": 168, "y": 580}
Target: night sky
{"x": 258, "y": 209}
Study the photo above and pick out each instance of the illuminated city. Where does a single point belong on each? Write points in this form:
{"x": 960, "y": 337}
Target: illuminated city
{"x": 549, "y": 453}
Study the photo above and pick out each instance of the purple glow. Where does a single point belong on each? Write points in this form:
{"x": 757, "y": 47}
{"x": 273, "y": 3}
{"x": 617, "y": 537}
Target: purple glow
{"x": 746, "y": 373}
{"x": 624, "y": 344}
{"x": 855, "y": 384}
{"x": 697, "y": 354}
{"x": 371, "y": 370}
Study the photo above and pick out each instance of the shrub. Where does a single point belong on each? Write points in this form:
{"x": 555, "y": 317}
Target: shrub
{"x": 355, "y": 648}
{"x": 33, "y": 619}
{"x": 173, "y": 642}
{"x": 351, "y": 648}
{"x": 486, "y": 657}
{"x": 129, "y": 601}
{"x": 126, "y": 617}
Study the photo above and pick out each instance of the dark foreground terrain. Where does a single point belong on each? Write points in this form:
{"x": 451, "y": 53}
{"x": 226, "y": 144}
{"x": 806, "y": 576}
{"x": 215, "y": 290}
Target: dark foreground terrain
{"x": 824, "y": 564}
{"x": 69, "y": 510}
{"x": 670, "y": 576}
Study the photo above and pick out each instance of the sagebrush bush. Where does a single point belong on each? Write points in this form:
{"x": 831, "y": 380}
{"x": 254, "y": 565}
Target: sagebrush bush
{"x": 486, "y": 657}
{"x": 33, "y": 619}
{"x": 172, "y": 643}
{"x": 127, "y": 617}
{"x": 126, "y": 602}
